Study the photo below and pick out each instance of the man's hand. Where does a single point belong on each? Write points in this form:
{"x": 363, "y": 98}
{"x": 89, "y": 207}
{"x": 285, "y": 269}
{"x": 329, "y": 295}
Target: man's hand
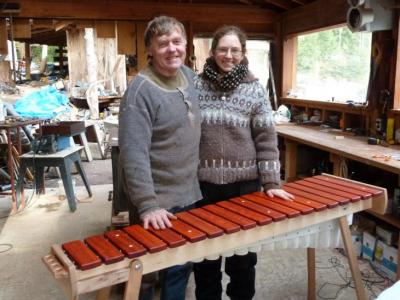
{"x": 158, "y": 218}
{"x": 279, "y": 193}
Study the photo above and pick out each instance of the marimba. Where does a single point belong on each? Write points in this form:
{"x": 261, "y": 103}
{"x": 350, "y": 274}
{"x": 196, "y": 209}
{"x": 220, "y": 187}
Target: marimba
{"x": 98, "y": 262}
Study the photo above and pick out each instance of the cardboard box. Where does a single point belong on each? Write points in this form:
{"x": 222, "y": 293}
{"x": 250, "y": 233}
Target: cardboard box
{"x": 356, "y": 237}
{"x": 389, "y": 261}
{"x": 378, "y": 254}
{"x": 386, "y": 234}
{"x": 368, "y": 245}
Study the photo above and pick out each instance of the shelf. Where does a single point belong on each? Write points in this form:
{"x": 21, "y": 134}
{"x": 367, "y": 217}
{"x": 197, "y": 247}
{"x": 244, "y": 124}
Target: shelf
{"x": 387, "y": 218}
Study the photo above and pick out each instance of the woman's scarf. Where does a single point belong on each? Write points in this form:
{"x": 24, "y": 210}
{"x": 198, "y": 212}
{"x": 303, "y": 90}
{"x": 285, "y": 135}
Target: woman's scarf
{"x": 227, "y": 81}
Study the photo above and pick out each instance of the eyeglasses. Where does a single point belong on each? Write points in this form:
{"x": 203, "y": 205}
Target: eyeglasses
{"x": 224, "y": 51}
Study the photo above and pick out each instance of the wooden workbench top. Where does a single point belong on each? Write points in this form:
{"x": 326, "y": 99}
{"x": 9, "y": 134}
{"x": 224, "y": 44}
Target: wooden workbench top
{"x": 352, "y": 147}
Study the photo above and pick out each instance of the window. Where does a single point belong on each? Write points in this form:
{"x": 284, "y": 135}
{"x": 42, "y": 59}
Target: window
{"x": 257, "y": 54}
{"x": 331, "y": 65}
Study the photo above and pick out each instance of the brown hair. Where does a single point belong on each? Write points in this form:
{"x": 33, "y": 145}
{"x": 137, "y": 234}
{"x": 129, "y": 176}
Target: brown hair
{"x": 160, "y": 26}
{"x": 228, "y": 30}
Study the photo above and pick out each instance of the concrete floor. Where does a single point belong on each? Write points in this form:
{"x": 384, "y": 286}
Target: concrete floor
{"x": 28, "y": 235}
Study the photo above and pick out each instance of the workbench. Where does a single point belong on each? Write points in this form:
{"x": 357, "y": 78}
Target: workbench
{"x": 339, "y": 145}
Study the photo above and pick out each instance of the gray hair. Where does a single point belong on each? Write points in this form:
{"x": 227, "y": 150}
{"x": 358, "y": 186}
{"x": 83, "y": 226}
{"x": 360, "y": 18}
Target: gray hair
{"x": 160, "y": 26}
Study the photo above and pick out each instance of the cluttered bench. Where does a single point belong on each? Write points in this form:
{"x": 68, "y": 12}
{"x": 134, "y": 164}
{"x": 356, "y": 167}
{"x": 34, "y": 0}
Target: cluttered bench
{"x": 340, "y": 147}
{"x": 64, "y": 160}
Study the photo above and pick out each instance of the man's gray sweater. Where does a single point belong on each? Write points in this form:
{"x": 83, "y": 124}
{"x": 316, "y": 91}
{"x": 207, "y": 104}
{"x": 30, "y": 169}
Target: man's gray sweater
{"x": 159, "y": 134}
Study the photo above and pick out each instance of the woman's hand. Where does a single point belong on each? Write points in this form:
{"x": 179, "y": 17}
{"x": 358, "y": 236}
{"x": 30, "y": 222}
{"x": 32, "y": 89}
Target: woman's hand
{"x": 279, "y": 193}
{"x": 158, "y": 218}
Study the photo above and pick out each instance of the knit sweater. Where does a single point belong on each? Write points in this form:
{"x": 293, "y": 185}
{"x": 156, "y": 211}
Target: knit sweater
{"x": 238, "y": 138}
{"x": 159, "y": 134}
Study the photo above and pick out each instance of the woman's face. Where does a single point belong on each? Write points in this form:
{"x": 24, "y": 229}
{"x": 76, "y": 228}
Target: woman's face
{"x": 168, "y": 53}
{"x": 228, "y": 53}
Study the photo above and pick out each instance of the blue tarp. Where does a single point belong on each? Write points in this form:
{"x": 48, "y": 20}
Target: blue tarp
{"x": 46, "y": 103}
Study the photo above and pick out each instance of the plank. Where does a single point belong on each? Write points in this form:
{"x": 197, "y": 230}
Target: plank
{"x": 245, "y": 212}
{"x": 225, "y": 225}
{"x": 144, "y": 237}
{"x": 83, "y": 257}
{"x": 304, "y": 209}
{"x": 338, "y": 187}
{"x": 128, "y": 246}
{"x": 273, "y": 214}
{"x": 189, "y": 232}
{"x": 211, "y": 230}
{"x": 245, "y": 223}
{"x": 169, "y": 236}
{"x": 289, "y": 212}
{"x": 103, "y": 248}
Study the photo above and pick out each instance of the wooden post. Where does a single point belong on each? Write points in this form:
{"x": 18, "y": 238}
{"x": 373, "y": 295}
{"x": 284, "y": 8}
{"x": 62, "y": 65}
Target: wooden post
{"x": 132, "y": 288}
{"x": 92, "y": 97}
{"x": 355, "y": 271}
{"x": 290, "y": 160}
{"x": 311, "y": 273}
{"x": 27, "y": 61}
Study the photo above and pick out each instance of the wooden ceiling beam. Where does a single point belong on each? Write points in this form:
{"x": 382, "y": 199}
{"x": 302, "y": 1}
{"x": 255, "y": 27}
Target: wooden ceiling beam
{"x": 314, "y": 16}
{"x": 144, "y": 11}
{"x": 302, "y": 2}
{"x": 285, "y": 4}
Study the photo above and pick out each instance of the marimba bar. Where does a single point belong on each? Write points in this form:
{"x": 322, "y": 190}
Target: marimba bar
{"x": 103, "y": 260}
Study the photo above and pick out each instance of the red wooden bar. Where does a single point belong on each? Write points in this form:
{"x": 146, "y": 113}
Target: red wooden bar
{"x": 352, "y": 185}
{"x": 329, "y": 189}
{"x": 319, "y": 192}
{"x": 307, "y": 196}
{"x": 273, "y": 214}
{"x": 102, "y": 247}
{"x": 211, "y": 230}
{"x": 150, "y": 241}
{"x": 245, "y": 223}
{"x": 311, "y": 194}
{"x": 128, "y": 246}
{"x": 304, "y": 209}
{"x": 222, "y": 223}
{"x": 169, "y": 236}
{"x": 189, "y": 232}
{"x": 251, "y": 214}
{"x": 289, "y": 212}
{"x": 83, "y": 257}
{"x": 339, "y": 187}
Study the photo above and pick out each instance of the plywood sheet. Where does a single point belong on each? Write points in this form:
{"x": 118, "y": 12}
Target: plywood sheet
{"x": 126, "y": 37}
{"x": 140, "y": 47}
{"x": 22, "y": 29}
{"x": 3, "y": 37}
{"x": 105, "y": 29}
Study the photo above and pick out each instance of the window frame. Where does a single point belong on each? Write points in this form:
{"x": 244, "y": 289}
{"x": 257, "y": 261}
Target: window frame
{"x": 289, "y": 61}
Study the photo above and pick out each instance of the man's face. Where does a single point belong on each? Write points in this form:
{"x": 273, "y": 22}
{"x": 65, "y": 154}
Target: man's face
{"x": 168, "y": 53}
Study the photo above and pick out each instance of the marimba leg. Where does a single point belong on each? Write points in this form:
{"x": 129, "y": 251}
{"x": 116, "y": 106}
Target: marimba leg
{"x": 355, "y": 271}
{"x": 132, "y": 287}
{"x": 311, "y": 273}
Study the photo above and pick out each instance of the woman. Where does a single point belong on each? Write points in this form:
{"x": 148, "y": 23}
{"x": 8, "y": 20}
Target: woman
{"x": 159, "y": 134}
{"x": 238, "y": 151}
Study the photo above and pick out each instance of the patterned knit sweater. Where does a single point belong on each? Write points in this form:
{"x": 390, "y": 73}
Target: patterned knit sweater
{"x": 238, "y": 138}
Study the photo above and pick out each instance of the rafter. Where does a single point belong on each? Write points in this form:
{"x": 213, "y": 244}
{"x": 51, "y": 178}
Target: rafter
{"x": 143, "y": 11}
{"x": 285, "y": 4}
{"x": 302, "y": 2}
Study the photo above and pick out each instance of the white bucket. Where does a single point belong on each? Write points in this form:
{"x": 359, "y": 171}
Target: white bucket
{"x": 61, "y": 190}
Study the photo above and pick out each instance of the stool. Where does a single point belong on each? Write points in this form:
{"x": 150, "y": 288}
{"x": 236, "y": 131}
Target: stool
{"x": 63, "y": 160}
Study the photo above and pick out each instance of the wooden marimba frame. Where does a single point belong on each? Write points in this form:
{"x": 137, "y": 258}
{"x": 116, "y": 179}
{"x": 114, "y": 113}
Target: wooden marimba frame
{"x": 124, "y": 255}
